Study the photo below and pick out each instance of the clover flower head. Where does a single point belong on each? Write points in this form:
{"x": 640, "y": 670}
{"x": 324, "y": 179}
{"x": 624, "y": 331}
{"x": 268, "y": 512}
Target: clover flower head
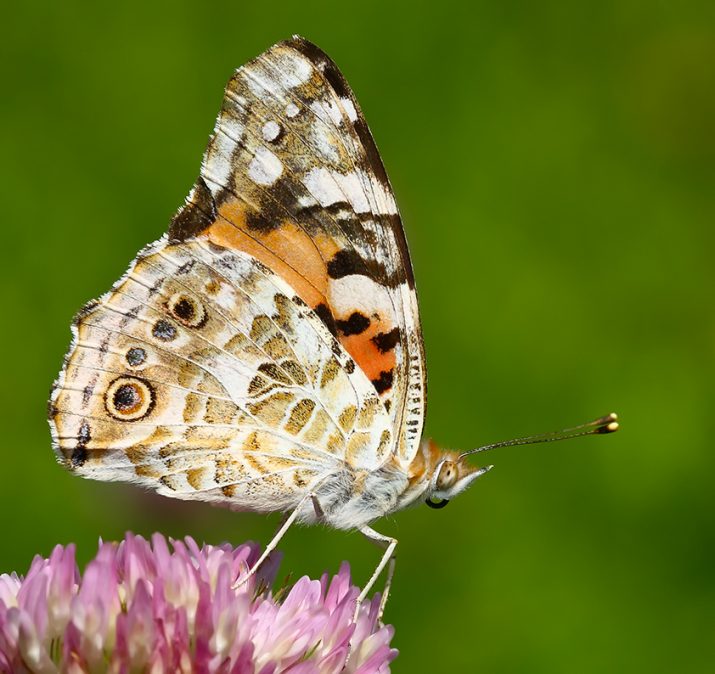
{"x": 164, "y": 607}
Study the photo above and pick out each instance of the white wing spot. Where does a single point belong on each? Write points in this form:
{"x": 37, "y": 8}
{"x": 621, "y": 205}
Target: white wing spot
{"x": 292, "y": 110}
{"x": 271, "y": 131}
{"x": 360, "y": 293}
{"x": 324, "y": 143}
{"x": 295, "y": 70}
{"x": 219, "y": 159}
{"x": 231, "y": 127}
{"x": 331, "y": 108}
{"x": 265, "y": 168}
{"x": 331, "y": 187}
{"x": 349, "y": 109}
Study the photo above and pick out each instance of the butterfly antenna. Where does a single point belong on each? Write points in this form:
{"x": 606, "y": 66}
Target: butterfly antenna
{"x": 607, "y": 424}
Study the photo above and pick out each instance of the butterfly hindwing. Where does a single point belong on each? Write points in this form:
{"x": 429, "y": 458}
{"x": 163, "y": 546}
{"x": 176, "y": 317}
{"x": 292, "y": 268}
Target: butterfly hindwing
{"x": 292, "y": 177}
{"x": 203, "y": 375}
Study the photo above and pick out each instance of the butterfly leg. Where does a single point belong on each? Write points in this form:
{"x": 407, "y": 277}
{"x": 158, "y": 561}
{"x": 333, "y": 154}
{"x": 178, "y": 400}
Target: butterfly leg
{"x": 319, "y": 514}
{"x": 386, "y": 589}
{"x": 286, "y": 523}
{"x": 388, "y": 559}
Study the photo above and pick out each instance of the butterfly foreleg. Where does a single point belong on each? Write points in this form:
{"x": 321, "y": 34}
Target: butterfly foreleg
{"x": 388, "y": 559}
{"x": 283, "y": 527}
{"x": 319, "y": 514}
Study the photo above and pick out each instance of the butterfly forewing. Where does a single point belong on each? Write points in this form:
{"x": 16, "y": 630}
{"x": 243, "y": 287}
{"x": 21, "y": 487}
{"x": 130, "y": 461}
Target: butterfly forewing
{"x": 292, "y": 177}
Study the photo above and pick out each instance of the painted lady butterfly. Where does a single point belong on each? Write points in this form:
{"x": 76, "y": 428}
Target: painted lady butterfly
{"x": 267, "y": 352}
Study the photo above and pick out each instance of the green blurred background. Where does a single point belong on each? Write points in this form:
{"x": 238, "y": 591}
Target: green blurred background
{"x": 554, "y": 166}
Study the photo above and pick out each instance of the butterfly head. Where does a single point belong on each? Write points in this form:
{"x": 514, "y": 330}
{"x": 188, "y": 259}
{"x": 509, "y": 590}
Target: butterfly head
{"x": 438, "y": 475}
{"x": 451, "y": 477}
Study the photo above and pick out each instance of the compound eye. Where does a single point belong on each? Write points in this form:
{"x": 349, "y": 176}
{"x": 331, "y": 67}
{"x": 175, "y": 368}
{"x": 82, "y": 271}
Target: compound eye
{"x": 436, "y": 505}
{"x": 447, "y": 476}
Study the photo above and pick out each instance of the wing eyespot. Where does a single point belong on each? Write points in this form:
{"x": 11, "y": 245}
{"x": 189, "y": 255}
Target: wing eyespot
{"x": 187, "y": 310}
{"x": 129, "y": 399}
{"x": 135, "y": 356}
{"x": 164, "y": 331}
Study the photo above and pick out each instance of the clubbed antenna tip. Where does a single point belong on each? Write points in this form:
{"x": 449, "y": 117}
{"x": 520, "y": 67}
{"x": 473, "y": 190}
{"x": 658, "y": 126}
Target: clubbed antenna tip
{"x": 607, "y": 424}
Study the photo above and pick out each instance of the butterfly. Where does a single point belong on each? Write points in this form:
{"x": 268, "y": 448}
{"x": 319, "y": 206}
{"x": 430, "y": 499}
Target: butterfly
{"x": 266, "y": 353}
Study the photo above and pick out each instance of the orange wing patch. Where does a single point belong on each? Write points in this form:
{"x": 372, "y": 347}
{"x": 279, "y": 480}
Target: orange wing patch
{"x": 369, "y": 337}
{"x": 370, "y": 351}
{"x": 287, "y": 250}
